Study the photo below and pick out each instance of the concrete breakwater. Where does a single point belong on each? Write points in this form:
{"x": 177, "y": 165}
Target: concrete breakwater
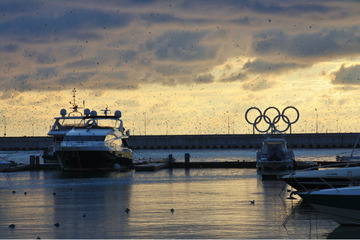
{"x": 241, "y": 141}
{"x": 244, "y": 141}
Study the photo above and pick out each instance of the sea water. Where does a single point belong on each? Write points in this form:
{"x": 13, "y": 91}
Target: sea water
{"x": 207, "y": 203}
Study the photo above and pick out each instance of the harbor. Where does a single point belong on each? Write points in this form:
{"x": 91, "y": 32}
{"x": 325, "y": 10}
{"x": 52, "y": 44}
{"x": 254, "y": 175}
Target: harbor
{"x": 207, "y": 202}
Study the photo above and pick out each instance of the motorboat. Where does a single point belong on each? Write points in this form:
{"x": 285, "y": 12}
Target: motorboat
{"x": 274, "y": 159}
{"x": 324, "y": 178}
{"x": 340, "y": 204}
{"x": 4, "y": 165}
{"x": 95, "y": 142}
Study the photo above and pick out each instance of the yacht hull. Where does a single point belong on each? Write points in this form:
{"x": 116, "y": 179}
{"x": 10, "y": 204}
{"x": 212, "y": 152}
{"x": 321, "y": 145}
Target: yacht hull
{"x": 321, "y": 179}
{"x": 88, "y": 160}
{"x": 342, "y": 204}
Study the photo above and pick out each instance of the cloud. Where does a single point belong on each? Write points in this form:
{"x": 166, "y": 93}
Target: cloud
{"x": 321, "y": 44}
{"x": 78, "y": 23}
{"x": 346, "y": 75}
{"x": 206, "y": 78}
{"x": 258, "y": 84}
{"x": 253, "y": 68}
{"x": 180, "y": 46}
{"x": 9, "y": 48}
{"x": 260, "y": 66}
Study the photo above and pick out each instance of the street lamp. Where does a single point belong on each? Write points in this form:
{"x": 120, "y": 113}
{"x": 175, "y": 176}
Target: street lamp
{"x": 145, "y": 122}
{"x": 4, "y": 126}
{"x": 316, "y": 121}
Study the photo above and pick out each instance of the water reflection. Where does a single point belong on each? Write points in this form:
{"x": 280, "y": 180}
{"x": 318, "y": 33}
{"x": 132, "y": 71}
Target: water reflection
{"x": 208, "y": 203}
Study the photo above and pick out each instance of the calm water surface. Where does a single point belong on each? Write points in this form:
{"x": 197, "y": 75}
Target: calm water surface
{"x": 208, "y": 203}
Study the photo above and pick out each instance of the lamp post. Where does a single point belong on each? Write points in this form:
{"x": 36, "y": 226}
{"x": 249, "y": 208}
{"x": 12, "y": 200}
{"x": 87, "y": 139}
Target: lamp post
{"x": 316, "y": 127}
{"x": 145, "y": 122}
{"x": 4, "y": 126}
{"x": 228, "y": 122}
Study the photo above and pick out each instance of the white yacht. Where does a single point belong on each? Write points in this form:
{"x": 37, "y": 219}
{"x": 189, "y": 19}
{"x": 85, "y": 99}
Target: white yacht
{"x": 340, "y": 204}
{"x": 274, "y": 159}
{"x": 94, "y": 142}
{"x": 88, "y": 141}
{"x": 334, "y": 176}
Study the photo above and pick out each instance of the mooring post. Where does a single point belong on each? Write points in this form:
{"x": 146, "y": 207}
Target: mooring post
{"x": 32, "y": 160}
{"x": 187, "y": 160}
{"x": 170, "y": 161}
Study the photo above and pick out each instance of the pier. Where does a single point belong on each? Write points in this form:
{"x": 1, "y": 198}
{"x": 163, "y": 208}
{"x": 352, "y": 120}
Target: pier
{"x": 174, "y": 165}
{"x": 218, "y": 141}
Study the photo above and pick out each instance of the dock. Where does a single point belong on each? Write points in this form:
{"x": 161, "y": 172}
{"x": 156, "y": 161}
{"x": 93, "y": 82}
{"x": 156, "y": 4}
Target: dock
{"x": 155, "y": 166}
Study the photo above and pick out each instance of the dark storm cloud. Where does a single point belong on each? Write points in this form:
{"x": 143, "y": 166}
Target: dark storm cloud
{"x": 325, "y": 43}
{"x": 181, "y": 46}
{"x": 264, "y": 7}
{"x": 260, "y": 66}
{"x": 71, "y": 78}
{"x": 71, "y": 24}
{"x": 9, "y": 48}
{"x": 11, "y": 6}
{"x": 347, "y": 75}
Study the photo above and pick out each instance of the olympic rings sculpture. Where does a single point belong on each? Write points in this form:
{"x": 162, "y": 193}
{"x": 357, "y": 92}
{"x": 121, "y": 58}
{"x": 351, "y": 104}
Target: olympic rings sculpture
{"x": 274, "y": 120}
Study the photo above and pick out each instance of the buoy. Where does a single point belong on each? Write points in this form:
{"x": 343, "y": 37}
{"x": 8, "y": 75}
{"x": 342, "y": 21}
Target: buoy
{"x": 84, "y": 215}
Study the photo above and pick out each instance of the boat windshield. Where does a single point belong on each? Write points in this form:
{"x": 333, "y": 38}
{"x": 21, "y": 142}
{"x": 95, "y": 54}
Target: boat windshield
{"x": 103, "y": 123}
{"x": 64, "y": 123}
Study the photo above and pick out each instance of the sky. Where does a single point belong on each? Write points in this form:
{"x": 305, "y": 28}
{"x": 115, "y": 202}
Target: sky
{"x": 181, "y": 67}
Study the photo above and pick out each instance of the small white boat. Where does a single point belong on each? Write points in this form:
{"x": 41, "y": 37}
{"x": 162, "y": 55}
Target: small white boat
{"x": 341, "y": 204}
{"x": 274, "y": 159}
{"x": 324, "y": 178}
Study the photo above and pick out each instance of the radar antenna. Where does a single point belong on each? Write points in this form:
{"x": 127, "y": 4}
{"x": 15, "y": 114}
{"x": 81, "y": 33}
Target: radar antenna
{"x": 75, "y": 107}
{"x": 106, "y": 110}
